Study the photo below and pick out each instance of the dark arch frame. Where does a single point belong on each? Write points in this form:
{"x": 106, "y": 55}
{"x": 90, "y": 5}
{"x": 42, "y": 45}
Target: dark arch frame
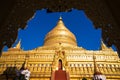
{"x": 15, "y": 14}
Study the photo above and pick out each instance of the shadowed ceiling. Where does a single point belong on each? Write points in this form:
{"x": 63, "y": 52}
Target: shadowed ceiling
{"x": 14, "y": 15}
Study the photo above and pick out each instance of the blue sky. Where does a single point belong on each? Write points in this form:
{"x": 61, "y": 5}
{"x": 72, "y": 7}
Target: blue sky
{"x": 76, "y": 21}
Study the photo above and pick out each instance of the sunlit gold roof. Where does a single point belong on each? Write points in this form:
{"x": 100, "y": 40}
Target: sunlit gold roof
{"x": 60, "y": 35}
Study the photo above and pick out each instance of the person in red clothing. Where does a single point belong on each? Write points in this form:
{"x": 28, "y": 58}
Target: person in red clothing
{"x": 60, "y": 74}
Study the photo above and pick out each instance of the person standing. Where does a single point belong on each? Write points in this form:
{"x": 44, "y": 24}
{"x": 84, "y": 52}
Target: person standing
{"x": 26, "y": 73}
{"x": 99, "y": 76}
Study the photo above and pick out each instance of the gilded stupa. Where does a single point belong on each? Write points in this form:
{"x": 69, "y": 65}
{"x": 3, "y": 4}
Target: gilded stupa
{"x": 60, "y": 44}
{"x": 60, "y": 34}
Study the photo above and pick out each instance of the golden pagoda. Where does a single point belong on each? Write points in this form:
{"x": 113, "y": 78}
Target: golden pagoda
{"x": 60, "y": 44}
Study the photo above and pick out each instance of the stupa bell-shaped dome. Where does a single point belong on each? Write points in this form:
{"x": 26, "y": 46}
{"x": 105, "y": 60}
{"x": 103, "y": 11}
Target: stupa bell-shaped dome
{"x": 60, "y": 35}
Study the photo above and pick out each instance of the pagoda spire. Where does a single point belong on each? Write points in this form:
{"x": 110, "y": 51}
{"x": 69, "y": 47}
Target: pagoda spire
{"x": 60, "y": 21}
{"x": 60, "y": 18}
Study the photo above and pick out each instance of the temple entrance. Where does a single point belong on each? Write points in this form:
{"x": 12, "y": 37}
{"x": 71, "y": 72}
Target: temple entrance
{"x": 60, "y": 74}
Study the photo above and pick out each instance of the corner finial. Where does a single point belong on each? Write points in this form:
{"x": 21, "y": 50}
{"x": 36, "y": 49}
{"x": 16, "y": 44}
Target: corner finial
{"x": 19, "y": 44}
{"x": 104, "y": 47}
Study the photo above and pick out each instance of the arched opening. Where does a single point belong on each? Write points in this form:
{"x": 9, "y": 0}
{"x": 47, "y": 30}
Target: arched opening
{"x": 76, "y": 21}
{"x": 60, "y": 65}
